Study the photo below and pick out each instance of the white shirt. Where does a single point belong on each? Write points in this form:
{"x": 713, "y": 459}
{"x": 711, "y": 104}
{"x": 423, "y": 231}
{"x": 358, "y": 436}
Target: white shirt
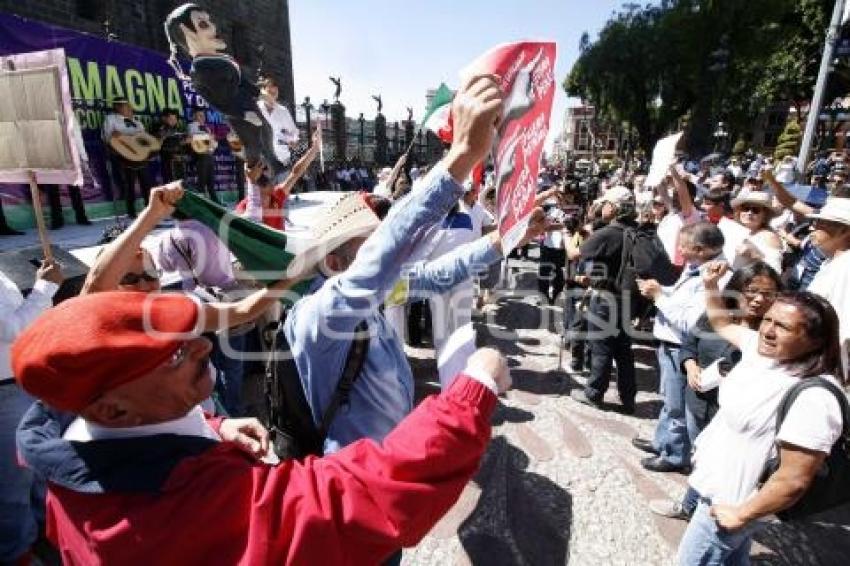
{"x": 832, "y": 282}
{"x": 479, "y": 216}
{"x": 732, "y": 450}
{"x": 283, "y": 127}
{"x": 194, "y": 128}
{"x": 192, "y": 424}
{"x": 16, "y": 313}
{"x": 120, "y": 124}
{"x": 681, "y": 305}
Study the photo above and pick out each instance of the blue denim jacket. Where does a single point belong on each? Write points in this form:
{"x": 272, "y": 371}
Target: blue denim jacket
{"x": 320, "y": 326}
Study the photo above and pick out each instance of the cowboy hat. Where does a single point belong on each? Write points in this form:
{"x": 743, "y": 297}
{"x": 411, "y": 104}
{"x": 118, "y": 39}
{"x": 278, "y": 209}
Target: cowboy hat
{"x": 348, "y": 218}
{"x": 759, "y": 198}
{"x": 836, "y": 209}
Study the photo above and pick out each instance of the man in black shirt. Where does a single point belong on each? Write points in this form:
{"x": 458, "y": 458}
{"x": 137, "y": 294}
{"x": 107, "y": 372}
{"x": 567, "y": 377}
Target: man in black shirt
{"x": 172, "y": 155}
{"x": 609, "y": 341}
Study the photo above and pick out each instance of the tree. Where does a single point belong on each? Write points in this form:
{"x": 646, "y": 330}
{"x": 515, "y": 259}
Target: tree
{"x": 789, "y": 140}
{"x": 709, "y": 60}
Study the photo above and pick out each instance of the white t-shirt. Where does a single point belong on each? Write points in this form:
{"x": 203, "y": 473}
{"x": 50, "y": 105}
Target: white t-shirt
{"x": 283, "y": 128}
{"x": 479, "y": 216}
{"x": 832, "y": 282}
{"x": 732, "y": 450}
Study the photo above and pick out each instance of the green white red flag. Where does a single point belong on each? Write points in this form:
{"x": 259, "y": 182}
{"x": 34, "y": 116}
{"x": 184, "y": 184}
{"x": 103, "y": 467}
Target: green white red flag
{"x": 438, "y": 116}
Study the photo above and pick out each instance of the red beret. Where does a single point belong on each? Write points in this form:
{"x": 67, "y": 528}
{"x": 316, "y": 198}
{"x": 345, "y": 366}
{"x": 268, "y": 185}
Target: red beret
{"x": 88, "y": 345}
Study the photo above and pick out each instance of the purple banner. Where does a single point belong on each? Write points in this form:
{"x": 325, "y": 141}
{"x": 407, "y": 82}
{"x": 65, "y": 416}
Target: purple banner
{"x": 99, "y": 71}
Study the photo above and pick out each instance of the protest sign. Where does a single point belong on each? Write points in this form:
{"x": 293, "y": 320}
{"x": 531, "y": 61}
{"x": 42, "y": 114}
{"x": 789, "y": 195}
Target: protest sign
{"x": 36, "y": 120}
{"x": 662, "y": 157}
{"x": 526, "y": 70}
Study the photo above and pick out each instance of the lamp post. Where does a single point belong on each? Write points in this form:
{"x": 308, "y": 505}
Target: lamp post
{"x": 307, "y": 109}
{"x": 362, "y": 137}
{"x": 721, "y": 134}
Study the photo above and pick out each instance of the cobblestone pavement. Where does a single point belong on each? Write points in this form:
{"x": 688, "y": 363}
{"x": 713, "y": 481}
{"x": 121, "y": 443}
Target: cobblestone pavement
{"x": 560, "y": 482}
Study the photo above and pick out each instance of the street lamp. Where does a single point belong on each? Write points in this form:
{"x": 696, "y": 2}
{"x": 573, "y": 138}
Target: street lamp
{"x": 720, "y": 137}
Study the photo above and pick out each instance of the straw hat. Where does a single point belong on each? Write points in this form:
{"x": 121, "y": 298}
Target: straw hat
{"x": 836, "y": 209}
{"x": 350, "y": 217}
{"x": 759, "y": 198}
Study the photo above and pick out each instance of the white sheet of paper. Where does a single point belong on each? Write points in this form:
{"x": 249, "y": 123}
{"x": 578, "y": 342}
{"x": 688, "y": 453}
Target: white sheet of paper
{"x": 662, "y": 157}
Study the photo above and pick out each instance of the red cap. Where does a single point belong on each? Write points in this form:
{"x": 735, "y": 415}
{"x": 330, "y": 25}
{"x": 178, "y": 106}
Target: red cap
{"x": 88, "y": 345}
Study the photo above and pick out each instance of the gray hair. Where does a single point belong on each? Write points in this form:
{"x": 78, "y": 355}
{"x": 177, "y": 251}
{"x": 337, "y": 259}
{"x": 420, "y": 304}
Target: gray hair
{"x": 703, "y": 234}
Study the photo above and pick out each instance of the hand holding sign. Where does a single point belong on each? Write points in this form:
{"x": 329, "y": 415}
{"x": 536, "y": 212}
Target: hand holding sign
{"x": 476, "y": 109}
{"x": 525, "y": 71}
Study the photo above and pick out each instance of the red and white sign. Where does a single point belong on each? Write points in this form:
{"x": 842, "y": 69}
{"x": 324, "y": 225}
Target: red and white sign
{"x": 528, "y": 81}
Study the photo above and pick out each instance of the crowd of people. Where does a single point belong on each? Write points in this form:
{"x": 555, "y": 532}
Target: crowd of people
{"x": 125, "y": 435}
{"x": 759, "y": 307}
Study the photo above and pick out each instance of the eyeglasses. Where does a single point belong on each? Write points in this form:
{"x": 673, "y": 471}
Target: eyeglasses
{"x": 178, "y": 357}
{"x": 764, "y": 294}
{"x": 136, "y": 278}
{"x": 752, "y": 208}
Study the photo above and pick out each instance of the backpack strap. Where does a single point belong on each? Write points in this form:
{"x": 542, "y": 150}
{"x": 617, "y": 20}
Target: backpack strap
{"x": 625, "y": 253}
{"x": 792, "y": 394}
{"x": 353, "y": 365}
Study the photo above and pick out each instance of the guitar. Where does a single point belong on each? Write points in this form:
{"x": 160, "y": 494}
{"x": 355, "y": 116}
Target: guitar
{"x": 236, "y": 146}
{"x": 135, "y": 147}
{"x": 203, "y": 143}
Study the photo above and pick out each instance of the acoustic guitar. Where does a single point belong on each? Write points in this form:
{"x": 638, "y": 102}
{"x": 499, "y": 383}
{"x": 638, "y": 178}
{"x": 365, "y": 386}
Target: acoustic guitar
{"x": 236, "y": 146}
{"x": 203, "y": 143}
{"x": 135, "y": 147}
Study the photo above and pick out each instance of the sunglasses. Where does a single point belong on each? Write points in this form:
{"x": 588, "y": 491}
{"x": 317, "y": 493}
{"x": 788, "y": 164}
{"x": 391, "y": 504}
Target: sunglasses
{"x": 178, "y": 357}
{"x": 136, "y": 278}
{"x": 752, "y": 208}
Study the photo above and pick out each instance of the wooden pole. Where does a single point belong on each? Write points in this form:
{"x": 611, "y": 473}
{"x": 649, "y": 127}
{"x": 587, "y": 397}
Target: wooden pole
{"x": 39, "y": 218}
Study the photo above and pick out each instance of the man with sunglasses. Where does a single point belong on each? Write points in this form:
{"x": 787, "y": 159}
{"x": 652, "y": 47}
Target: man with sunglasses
{"x": 125, "y": 265}
{"x": 135, "y": 469}
{"x": 831, "y": 234}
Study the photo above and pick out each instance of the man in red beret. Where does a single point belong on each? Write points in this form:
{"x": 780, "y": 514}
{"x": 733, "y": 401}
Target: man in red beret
{"x": 136, "y": 471}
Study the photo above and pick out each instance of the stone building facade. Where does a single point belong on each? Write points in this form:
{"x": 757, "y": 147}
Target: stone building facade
{"x": 256, "y": 32}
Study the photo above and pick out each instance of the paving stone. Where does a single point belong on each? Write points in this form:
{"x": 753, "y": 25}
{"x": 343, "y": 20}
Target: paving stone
{"x": 574, "y": 439}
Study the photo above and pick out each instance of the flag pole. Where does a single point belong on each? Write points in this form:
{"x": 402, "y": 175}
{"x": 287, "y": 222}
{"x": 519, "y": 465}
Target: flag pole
{"x": 832, "y": 34}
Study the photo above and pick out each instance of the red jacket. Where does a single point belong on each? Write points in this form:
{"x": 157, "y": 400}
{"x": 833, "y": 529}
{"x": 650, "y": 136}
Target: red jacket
{"x": 186, "y": 500}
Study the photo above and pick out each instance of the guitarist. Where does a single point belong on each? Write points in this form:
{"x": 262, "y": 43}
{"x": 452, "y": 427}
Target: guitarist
{"x": 125, "y": 173}
{"x": 204, "y": 162}
{"x": 173, "y": 140}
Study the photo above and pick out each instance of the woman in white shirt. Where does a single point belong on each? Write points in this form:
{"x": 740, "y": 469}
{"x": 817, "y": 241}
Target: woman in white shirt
{"x": 797, "y": 339}
{"x": 753, "y": 210}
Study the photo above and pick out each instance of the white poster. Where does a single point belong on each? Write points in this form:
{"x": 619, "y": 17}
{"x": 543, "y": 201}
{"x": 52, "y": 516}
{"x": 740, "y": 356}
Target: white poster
{"x": 36, "y": 122}
{"x": 662, "y": 157}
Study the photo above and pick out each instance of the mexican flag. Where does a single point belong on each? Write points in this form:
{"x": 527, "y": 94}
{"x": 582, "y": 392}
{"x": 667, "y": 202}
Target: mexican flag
{"x": 438, "y": 116}
{"x": 265, "y": 253}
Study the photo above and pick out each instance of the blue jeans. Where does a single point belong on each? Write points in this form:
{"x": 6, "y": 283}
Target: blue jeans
{"x": 229, "y": 373}
{"x": 671, "y": 434}
{"x": 21, "y": 493}
{"x": 706, "y": 544}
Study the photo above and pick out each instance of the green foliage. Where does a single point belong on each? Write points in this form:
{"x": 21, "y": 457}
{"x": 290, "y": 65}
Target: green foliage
{"x": 789, "y": 140}
{"x": 740, "y": 147}
{"x": 712, "y": 60}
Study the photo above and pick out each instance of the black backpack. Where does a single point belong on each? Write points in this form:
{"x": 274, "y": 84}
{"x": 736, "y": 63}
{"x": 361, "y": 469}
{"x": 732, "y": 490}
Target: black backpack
{"x": 643, "y": 257}
{"x": 831, "y": 485}
{"x": 294, "y": 435}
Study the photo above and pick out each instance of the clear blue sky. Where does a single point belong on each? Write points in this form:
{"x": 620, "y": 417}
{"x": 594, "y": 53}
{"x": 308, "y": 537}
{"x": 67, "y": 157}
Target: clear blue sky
{"x": 400, "y": 48}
